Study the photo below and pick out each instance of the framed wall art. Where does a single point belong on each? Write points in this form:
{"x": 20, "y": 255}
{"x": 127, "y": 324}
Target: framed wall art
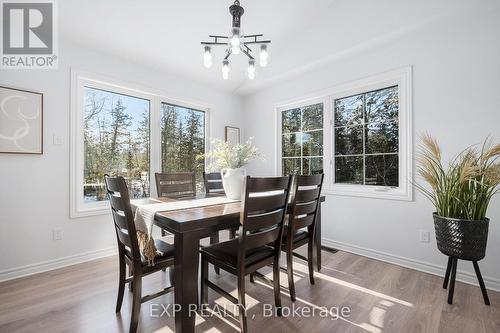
{"x": 232, "y": 135}
{"x": 21, "y": 121}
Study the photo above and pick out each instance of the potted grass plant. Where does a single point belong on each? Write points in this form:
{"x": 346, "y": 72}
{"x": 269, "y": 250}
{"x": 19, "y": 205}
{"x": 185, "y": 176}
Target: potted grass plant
{"x": 231, "y": 159}
{"x": 461, "y": 193}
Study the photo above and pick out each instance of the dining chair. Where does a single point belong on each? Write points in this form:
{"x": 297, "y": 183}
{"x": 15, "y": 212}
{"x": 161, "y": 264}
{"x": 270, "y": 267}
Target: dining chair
{"x": 129, "y": 253}
{"x": 301, "y": 223}
{"x": 176, "y": 184}
{"x": 213, "y": 183}
{"x": 180, "y": 185}
{"x": 261, "y": 223}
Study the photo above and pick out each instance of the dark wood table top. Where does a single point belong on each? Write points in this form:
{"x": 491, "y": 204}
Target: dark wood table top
{"x": 220, "y": 216}
{"x": 198, "y": 218}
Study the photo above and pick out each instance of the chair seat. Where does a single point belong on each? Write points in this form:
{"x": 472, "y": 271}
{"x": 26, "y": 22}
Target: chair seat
{"x": 299, "y": 235}
{"x": 228, "y": 253}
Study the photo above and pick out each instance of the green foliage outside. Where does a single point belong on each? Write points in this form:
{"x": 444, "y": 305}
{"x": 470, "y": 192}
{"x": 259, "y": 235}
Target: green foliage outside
{"x": 183, "y": 140}
{"x": 117, "y": 142}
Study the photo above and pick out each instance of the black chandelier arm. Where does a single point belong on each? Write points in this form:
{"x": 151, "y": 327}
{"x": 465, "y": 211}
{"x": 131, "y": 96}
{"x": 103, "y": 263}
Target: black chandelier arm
{"x": 220, "y": 43}
{"x": 213, "y": 43}
{"x": 245, "y": 50}
{"x": 249, "y": 50}
{"x": 259, "y": 42}
{"x": 253, "y": 36}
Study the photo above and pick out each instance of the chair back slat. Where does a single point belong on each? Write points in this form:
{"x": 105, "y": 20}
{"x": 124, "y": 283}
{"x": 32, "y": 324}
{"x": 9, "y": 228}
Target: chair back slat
{"x": 305, "y": 200}
{"x": 123, "y": 219}
{"x": 178, "y": 184}
{"x": 176, "y": 187}
{"x": 307, "y": 195}
{"x": 305, "y": 208}
{"x": 113, "y": 185}
{"x": 213, "y": 182}
{"x": 261, "y": 238}
{"x": 116, "y": 202}
{"x": 268, "y": 184}
{"x": 212, "y": 176}
{"x": 120, "y": 219}
{"x": 303, "y": 221}
{"x": 259, "y": 203}
{"x": 257, "y": 222}
{"x": 124, "y": 237}
{"x": 310, "y": 180}
{"x": 214, "y": 186}
{"x": 264, "y": 207}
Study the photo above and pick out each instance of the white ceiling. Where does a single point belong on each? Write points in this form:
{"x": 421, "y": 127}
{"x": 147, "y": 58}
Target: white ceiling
{"x": 166, "y": 34}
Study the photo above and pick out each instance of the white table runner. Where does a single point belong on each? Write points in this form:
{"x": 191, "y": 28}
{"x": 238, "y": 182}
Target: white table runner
{"x": 144, "y": 214}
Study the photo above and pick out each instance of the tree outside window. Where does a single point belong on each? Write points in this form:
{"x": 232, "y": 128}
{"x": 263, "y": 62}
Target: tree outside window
{"x": 302, "y": 140}
{"x": 366, "y": 138}
{"x": 116, "y": 141}
{"x": 183, "y": 141}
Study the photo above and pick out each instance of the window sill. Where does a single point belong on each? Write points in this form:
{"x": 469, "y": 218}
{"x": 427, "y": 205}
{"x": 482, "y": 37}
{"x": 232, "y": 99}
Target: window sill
{"x": 89, "y": 211}
{"x": 375, "y": 193}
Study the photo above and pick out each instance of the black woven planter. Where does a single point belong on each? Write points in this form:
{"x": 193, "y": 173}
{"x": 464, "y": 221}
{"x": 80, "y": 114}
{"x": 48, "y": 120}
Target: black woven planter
{"x": 465, "y": 240}
{"x": 462, "y": 239}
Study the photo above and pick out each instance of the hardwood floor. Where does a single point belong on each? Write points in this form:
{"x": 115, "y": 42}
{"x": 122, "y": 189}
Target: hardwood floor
{"x": 381, "y": 298}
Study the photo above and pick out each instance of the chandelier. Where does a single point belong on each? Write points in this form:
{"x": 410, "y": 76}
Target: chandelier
{"x": 236, "y": 43}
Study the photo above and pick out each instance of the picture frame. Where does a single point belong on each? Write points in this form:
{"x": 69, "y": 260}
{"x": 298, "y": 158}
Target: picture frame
{"x": 21, "y": 121}
{"x": 232, "y": 135}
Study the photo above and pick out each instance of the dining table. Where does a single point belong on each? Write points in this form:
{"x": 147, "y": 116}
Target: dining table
{"x": 189, "y": 226}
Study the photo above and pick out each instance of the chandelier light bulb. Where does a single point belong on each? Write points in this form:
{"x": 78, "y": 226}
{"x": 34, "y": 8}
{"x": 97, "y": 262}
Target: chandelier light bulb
{"x": 263, "y": 55}
{"x": 207, "y": 57}
{"x": 235, "y": 41}
{"x": 235, "y": 50}
{"x": 251, "y": 69}
{"x": 225, "y": 69}
{"x": 235, "y": 38}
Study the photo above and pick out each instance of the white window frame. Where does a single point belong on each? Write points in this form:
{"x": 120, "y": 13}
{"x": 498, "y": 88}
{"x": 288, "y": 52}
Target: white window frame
{"x": 80, "y": 80}
{"x": 399, "y": 77}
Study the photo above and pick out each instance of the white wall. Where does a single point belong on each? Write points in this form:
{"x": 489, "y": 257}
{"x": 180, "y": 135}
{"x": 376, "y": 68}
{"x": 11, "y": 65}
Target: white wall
{"x": 456, "y": 85}
{"x": 34, "y": 190}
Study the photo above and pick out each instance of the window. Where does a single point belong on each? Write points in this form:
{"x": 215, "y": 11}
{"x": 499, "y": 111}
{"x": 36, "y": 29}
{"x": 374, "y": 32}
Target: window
{"x": 121, "y": 129}
{"x": 302, "y": 140}
{"x": 366, "y": 138}
{"x": 182, "y": 140}
{"x": 116, "y": 141}
{"x": 358, "y": 134}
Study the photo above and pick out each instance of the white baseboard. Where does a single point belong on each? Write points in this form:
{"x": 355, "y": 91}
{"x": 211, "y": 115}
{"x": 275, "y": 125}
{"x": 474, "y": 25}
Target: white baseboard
{"x": 17, "y": 272}
{"x": 466, "y": 277}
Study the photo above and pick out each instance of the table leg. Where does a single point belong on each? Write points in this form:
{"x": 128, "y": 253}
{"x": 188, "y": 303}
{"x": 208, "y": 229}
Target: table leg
{"x": 186, "y": 280}
{"x": 318, "y": 239}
